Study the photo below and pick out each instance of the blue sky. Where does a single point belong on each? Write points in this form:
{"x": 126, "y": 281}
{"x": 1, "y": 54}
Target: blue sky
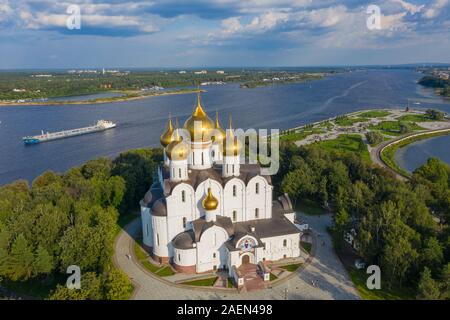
{"x": 175, "y": 33}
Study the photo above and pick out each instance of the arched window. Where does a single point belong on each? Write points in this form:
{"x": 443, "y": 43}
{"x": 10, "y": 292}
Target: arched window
{"x": 183, "y": 196}
{"x": 203, "y": 160}
{"x": 257, "y": 188}
{"x": 256, "y": 213}
{"x": 234, "y": 191}
{"x": 179, "y": 172}
{"x": 213, "y": 153}
{"x": 234, "y": 215}
{"x": 284, "y": 243}
{"x": 184, "y": 222}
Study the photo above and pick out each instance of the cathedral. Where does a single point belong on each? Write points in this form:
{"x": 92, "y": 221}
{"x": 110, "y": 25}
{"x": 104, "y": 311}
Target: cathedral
{"x": 207, "y": 210}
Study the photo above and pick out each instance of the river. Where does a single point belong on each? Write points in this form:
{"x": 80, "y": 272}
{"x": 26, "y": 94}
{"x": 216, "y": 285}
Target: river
{"x": 140, "y": 122}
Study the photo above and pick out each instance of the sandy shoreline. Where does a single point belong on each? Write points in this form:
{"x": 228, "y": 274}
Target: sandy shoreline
{"x": 96, "y": 101}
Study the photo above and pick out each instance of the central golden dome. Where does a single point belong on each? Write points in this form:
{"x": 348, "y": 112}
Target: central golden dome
{"x": 210, "y": 202}
{"x": 199, "y": 121}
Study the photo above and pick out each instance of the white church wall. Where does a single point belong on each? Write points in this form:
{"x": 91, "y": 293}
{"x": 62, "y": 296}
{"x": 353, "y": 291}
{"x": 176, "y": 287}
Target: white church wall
{"x": 261, "y": 200}
{"x": 275, "y": 249}
{"x": 147, "y": 229}
{"x": 200, "y": 157}
{"x": 177, "y": 209}
{"x": 160, "y": 239}
{"x": 185, "y": 257}
{"x": 234, "y": 202}
{"x": 211, "y": 250}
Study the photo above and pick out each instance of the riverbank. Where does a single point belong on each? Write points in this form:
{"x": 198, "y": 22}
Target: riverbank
{"x": 387, "y": 153}
{"x": 128, "y": 97}
{"x": 348, "y": 133}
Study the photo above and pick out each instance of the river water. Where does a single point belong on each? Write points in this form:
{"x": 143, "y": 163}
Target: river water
{"x": 140, "y": 122}
{"x": 416, "y": 154}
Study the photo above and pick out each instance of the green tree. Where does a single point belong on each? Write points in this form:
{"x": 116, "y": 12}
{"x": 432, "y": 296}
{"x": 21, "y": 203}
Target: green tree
{"x": 340, "y": 228}
{"x": 432, "y": 254}
{"x": 374, "y": 137}
{"x": 43, "y": 262}
{"x": 20, "y": 260}
{"x": 428, "y": 289}
{"x": 90, "y": 289}
{"x": 117, "y": 285}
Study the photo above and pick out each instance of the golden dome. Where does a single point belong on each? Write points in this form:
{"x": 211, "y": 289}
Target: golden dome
{"x": 166, "y": 137}
{"x": 201, "y": 119}
{"x": 210, "y": 202}
{"x": 177, "y": 149}
{"x": 220, "y": 133}
{"x": 231, "y": 145}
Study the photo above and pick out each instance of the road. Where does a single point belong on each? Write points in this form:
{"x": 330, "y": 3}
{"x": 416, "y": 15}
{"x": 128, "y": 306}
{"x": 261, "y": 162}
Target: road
{"x": 330, "y": 277}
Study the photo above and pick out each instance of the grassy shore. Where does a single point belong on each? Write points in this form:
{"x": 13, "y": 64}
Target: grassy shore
{"x": 388, "y": 154}
{"x": 129, "y": 96}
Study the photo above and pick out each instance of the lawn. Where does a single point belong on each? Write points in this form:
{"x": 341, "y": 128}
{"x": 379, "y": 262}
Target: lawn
{"x": 347, "y": 143}
{"x": 374, "y": 114}
{"x": 230, "y": 283}
{"x": 208, "y": 282}
{"x": 309, "y": 207}
{"x": 142, "y": 256}
{"x": 165, "y": 272}
{"x": 306, "y": 246}
{"x": 359, "y": 278}
{"x": 291, "y": 267}
{"x": 415, "y": 118}
{"x": 392, "y": 128}
{"x": 300, "y": 135}
{"x": 347, "y": 122}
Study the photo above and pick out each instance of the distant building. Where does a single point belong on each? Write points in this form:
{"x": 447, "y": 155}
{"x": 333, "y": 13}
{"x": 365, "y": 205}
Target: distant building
{"x": 201, "y": 72}
{"x": 182, "y": 72}
{"x": 220, "y": 72}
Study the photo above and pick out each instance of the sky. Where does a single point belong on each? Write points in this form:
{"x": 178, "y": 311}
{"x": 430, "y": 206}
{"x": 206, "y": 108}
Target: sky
{"x": 221, "y": 33}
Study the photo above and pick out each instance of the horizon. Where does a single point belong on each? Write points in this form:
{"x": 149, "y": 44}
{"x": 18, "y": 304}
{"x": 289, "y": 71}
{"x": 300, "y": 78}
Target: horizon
{"x": 179, "y": 68}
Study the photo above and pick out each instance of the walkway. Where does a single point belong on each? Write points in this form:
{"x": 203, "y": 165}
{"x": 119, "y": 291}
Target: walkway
{"x": 325, "y": 271}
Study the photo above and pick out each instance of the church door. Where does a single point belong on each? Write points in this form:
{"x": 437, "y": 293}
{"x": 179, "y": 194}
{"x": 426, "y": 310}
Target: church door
{"x": 245, "y": 259}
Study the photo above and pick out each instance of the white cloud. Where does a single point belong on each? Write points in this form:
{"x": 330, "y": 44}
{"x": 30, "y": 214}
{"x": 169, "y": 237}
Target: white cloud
{"x": 411, "y": 8}
{"x": 435, "y": 9}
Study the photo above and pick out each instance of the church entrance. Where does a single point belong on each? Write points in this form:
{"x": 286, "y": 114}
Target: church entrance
{"x": 245, "y": 259}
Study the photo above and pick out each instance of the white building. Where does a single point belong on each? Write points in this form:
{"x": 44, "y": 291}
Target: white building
{"x": 207, "y": 211}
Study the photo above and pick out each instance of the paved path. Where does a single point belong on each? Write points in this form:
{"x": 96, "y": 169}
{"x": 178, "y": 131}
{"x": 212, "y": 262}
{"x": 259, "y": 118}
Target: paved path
{"x": 325, "y": 269}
